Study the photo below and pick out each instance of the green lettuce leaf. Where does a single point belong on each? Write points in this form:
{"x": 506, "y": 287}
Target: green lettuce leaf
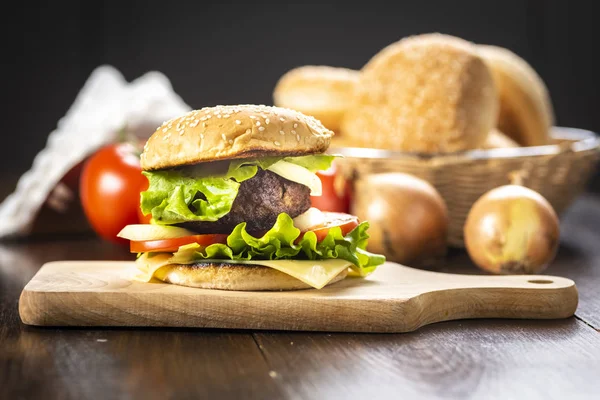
{"x": 206, "y": 192}
{"x": 241, "y": 173}
{"x": 281, "y": 242}
{"x": 173, "y": 197}
{"x": 313, "y": 163}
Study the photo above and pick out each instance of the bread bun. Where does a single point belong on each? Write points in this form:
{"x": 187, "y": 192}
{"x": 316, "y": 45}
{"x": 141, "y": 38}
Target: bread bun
{"x": 225, "y": 132}
{"x": 498, "y": 140}
{"x": 429, "y": 93}
{"x": 232, "y": 277}
{"x": 526, "y": 112}
{"x": 321, "y": 91}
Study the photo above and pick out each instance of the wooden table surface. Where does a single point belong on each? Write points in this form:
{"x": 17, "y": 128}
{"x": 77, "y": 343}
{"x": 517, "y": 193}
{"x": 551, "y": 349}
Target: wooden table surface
{"x": 463, "y": 359}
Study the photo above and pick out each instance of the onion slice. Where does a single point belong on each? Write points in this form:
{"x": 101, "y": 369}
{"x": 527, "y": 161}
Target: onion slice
{"x": 308, "y": 219}
{"x": 298, "y": 174}
{"x": 139, "y": 232}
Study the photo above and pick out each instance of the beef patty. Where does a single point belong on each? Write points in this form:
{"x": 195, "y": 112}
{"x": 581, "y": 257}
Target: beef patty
{"x": 258, "y": 203}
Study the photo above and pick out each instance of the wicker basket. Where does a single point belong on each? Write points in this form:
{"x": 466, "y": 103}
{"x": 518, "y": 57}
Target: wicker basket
{"x": 558, "y": 171}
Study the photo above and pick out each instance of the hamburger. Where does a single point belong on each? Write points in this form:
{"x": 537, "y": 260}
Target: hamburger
{"x": 229, "y": 192}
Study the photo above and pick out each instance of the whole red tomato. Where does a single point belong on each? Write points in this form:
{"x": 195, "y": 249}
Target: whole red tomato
{"x": 336, "y": 192}
{"x": 110, "y": 189}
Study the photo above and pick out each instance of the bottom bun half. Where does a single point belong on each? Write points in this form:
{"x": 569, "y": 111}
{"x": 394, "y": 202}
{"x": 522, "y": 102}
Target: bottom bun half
{"x": 233, "y": 277}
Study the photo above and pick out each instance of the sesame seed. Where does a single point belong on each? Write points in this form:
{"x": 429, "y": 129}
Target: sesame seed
{"x": 257, "y": 123}
{"x": 181, "y": 133}
{"x": 230, "y": 141}
{"x": 226, "y": 115}
{"x": 282, "y": 119}
{"x": 248, "y": 131}
{"x": 201, "y": 136}
{"x": 252, "y": 117}
{"x": 164, "y": 129}
{"x": 219, "y": 116}
{"x": 295, "y": 125}
{"x": 298, "y": 137}
{"x": 281, "y": 132}
{"x": 293, "y": 132}
{"x": 237, "y": 121}
{"x": 223, "y": 136}
{"x": 204, "y": 124}
{"x": 267, "y": 120}
{"x": 276, "y": 143}
{"x": 261, "y": 128}
{"x": 178, "y": 127}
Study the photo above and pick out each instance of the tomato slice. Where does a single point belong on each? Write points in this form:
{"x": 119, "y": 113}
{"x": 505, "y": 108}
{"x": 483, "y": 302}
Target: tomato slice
{"x": 346, "y": 222}
{"x": 336, "y": 192}
{"x": 172, "y": 245}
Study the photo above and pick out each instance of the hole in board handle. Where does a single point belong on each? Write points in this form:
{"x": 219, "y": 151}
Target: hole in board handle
{"x": 540, "y": 281}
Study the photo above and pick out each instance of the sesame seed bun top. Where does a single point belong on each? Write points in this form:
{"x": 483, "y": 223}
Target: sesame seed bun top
{"x": 227, "y": 132}
{"x": 428, "y": 93}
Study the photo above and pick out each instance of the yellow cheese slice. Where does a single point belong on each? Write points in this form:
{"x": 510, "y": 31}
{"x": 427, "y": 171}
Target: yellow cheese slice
{"x": 317, "y": 273}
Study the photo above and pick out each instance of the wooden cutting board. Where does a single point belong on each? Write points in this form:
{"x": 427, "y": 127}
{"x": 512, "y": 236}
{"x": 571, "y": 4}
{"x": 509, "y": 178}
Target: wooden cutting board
{"x": 393, "y": 299}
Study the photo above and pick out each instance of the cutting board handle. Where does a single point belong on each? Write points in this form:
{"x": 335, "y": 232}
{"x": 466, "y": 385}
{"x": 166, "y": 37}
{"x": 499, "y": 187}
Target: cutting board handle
{"x": 450, "y": 297}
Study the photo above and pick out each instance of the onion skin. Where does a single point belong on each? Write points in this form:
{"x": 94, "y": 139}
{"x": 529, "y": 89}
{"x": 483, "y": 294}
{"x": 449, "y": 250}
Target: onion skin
{"x": 512, "y": 230}
{"x": 408, "y": 218}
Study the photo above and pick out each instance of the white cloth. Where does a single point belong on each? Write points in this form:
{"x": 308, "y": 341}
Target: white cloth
{"x": 105, "y": 104}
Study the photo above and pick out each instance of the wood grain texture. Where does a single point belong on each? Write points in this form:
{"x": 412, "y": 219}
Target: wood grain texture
{"x": 474, "y": 359}
{"x": 579, "y": 256}
{"x": 549, "y": 359}
{"x": 393, "y": 299}
{"x": 113, "y": 364}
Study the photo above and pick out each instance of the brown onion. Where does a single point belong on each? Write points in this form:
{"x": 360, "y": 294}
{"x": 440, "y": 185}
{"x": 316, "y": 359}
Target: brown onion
{"x": 512, "y": 230}
{"x": 408, "y": 218}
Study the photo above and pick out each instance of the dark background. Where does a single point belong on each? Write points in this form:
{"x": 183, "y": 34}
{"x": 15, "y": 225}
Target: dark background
{"x": 234, "y": 53}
